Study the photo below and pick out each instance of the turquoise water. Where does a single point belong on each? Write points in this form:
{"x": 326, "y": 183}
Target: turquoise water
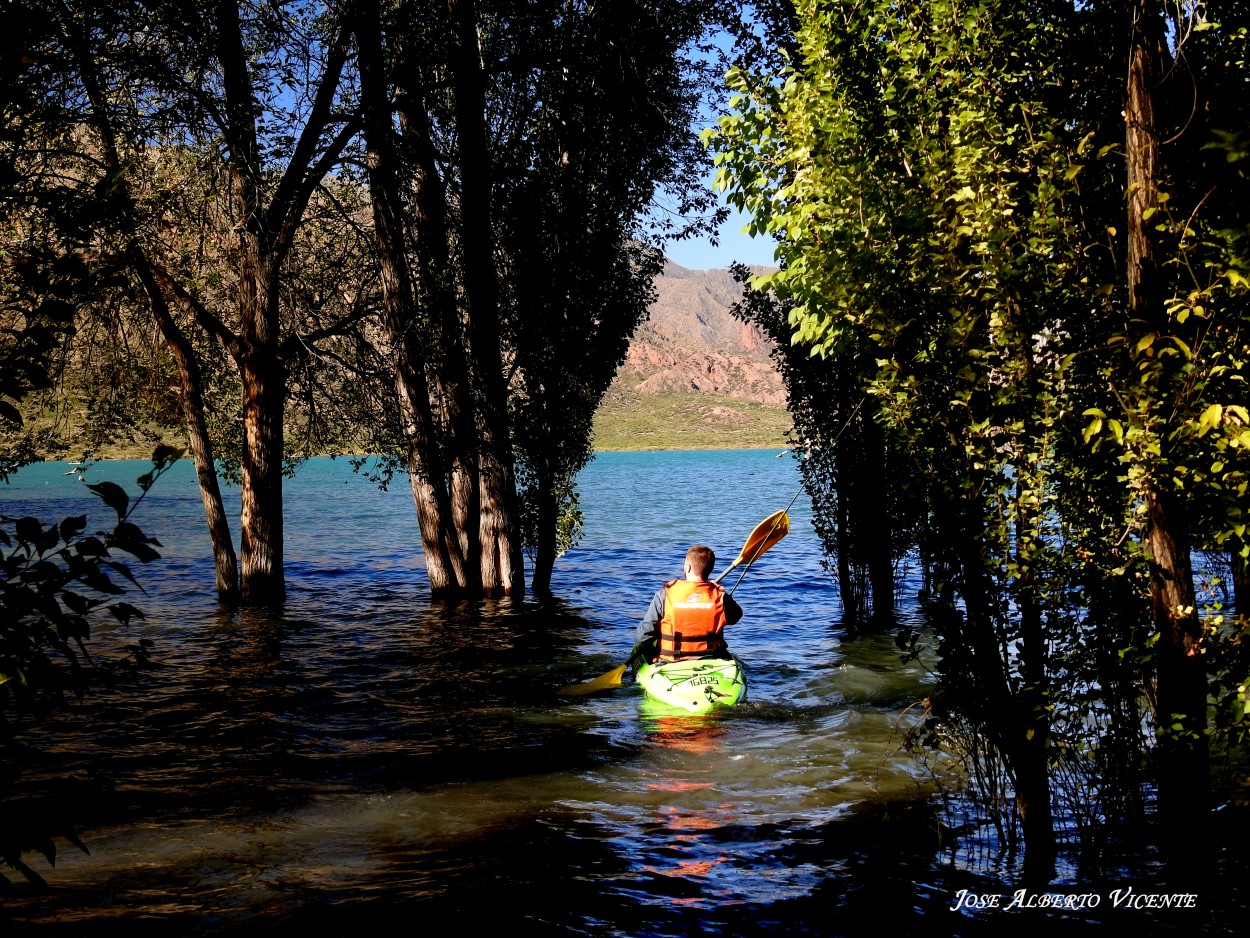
{"x": 365, "y": 759}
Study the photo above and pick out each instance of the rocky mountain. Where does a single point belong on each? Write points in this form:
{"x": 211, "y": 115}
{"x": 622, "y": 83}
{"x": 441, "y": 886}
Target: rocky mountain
{"x": 692, "y": 344}
{"x": 695, "y": 377}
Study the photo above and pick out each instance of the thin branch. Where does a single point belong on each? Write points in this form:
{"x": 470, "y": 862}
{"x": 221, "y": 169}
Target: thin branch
{"x": 312, "y": 179}
{"x": 203, "y": 315}
{"x": 295, "y": 187}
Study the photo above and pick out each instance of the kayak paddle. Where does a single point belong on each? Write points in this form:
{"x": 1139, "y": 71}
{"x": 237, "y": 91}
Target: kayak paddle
{"x": 613, "y": 679}
{"x": 767, "y": 533}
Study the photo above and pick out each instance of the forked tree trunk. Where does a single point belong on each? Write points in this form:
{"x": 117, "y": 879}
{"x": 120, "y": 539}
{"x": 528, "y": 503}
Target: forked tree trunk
{"x": 444, "y": 560}
{"x": 261, "y": 371}
{"x": 451, "y": 462}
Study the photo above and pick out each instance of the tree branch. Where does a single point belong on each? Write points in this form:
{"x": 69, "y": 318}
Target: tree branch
{"x": 302, "y": 174}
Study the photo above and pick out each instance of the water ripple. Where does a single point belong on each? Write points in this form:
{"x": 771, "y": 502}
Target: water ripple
{"x": 365, "y": 748}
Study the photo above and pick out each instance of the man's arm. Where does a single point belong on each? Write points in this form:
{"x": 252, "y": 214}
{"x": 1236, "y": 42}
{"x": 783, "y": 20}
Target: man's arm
{"x": 649, "y": 627}
{"x": 733, "y": 612}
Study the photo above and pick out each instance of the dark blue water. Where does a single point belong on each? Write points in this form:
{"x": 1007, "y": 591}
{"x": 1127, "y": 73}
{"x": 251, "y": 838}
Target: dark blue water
{"x": 365, "y": 760}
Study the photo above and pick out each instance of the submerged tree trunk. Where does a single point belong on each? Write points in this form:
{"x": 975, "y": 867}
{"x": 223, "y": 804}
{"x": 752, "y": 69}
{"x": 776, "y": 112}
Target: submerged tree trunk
{"x": 261, "y": 548}
{"x": 546, "y": 548}
{"x": 450, "y": 461}
{"x": 1009, "y": 718}
{"x": 863, "y": 539}
{"x": 264, "y": 235}
{"x": 199, "y": 442}
{"x": 1183, "y": 751}
{"x": 876, "y": 524}
{"x": 500, "y": 545}
{"x": 850, "y": 590}
{"x": 1032, "y": 734}
{"x": 444, "y": 560}
{"x": 256, "y": 356}
{"x": 456, "y": 432}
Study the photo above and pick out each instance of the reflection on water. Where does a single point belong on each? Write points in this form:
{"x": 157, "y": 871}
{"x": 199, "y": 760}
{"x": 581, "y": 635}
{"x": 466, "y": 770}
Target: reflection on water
{"x": 365, "y": 758}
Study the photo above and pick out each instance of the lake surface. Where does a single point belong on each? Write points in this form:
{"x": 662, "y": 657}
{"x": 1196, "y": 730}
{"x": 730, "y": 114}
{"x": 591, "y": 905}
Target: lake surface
{"x": 366, "y": 760}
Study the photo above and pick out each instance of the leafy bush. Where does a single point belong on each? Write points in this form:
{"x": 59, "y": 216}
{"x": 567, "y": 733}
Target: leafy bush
{"x": 53, "y": 580}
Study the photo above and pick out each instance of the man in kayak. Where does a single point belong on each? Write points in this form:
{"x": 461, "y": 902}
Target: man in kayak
{"x": 687, "y": 618}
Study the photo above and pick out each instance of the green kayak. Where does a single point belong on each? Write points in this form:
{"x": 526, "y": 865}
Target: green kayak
{"x": 698, "y": 685}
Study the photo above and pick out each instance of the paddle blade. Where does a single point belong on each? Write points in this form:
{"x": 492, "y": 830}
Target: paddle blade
{"x": 767, "y": 533}
{"x": 609, "y": 681}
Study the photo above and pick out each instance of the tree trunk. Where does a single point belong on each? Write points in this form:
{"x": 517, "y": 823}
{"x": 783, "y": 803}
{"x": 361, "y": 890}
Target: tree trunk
{"x": 546, "y": 546}
{"x": 155, "y": 286}
{"x": 1032, "y": 758}
{"x": 501, "y": 562}
{"x": 1009, "y": 718}
{"x": 849, "y": 589}
{"x": 1142, "y": 160}
{"x": 224, "y": 560}
{"x": 264, "y": 392}
{"x": 1183, "y": 751}
{"x": 261, "y": 370}
{"x": 1182, "y": 694}
{"x": 876, "y": 517}
{"x": 455, "y": 460}
{"x": 444, "y": 560}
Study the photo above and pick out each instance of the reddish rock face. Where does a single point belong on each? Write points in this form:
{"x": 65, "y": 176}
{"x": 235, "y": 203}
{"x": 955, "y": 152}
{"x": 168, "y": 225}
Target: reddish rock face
{"x": 693, "y": 344}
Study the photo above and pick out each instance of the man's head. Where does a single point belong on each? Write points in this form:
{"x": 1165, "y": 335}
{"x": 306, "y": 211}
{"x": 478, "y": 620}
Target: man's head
{"x": 699, "y": 562}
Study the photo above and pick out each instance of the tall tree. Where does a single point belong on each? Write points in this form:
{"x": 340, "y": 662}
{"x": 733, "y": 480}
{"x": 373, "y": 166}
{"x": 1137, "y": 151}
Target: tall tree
{"x": 1178, "y": 355}
{"x": 860, "y": 507}
{"x": 256, "y": 92}
{"x": 606, "y": 138}
{"x": 1182, "y": 688}
{"x": 518, "y": 150}
{"x": 914, "y": 184}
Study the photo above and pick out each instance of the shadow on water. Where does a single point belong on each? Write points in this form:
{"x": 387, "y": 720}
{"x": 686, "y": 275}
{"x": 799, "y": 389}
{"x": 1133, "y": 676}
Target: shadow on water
{"x": 291, "y": 773}
{"x": 288, "y": 775}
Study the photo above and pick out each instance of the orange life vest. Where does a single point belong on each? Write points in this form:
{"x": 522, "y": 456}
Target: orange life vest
{"x": 694, "y": 620}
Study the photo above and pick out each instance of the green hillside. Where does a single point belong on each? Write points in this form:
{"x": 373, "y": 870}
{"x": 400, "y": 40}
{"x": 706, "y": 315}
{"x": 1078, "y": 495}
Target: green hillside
{"x": 631, "y": 421}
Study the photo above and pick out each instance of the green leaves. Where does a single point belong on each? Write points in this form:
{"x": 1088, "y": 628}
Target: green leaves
{"x": 53, "y": 579}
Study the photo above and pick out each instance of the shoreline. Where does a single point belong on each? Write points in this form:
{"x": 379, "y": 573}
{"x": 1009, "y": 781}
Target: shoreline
{"x": 138, "y": 456}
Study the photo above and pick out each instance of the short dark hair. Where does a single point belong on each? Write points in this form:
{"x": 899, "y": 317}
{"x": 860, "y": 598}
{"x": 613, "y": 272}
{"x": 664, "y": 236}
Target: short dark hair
{"x": 702, "y": 559}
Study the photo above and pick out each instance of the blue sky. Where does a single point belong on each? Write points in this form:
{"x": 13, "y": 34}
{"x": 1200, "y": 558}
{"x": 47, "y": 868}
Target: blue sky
{"x": 734, "y": 246}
